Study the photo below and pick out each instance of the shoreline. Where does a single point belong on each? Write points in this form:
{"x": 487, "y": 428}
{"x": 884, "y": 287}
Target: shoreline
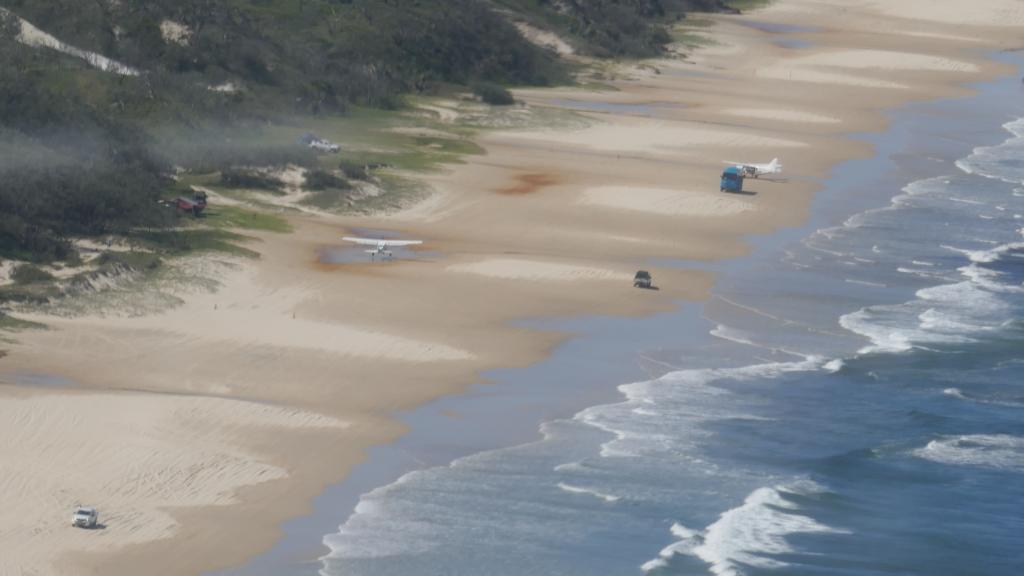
{"x": 369, "y": 413}
{"x": 604, "y": 352}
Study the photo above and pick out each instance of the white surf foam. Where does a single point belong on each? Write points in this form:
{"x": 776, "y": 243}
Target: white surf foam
{"x": 688, "y": 540}
{"x": 638, "y": 436}
{"x": 589, "y": 492}
{"x": 748, "y": 535}
{"x": 955, "y": 392}
{"x": 987, "y": 256}
{"x": 987, "y": 450}
{"x": 989, "y": 161}
{"x": 920, "y": 273}
{"x": 865, "y": 283}
{"x": 960, "y": 394}
{"x": 833, "y": 366}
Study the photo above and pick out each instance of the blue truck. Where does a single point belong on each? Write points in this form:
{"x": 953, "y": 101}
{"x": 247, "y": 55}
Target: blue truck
{"x": 732, "y": 180}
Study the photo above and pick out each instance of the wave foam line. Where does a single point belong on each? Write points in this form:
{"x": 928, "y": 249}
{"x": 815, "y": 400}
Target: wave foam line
{"x": 748, "y": 534}
{"x": 985, "y": 450}
{"x": 589, "y": 492}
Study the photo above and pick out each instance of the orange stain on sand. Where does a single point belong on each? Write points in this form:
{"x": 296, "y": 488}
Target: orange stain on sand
{"x": 530, "y": 183}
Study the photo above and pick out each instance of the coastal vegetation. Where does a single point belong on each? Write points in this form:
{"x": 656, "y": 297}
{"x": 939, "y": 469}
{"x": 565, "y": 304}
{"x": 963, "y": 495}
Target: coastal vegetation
{"x": 222, "y": 88}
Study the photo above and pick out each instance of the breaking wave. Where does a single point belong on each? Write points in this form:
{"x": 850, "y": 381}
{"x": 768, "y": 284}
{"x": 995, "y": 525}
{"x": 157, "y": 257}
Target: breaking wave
{"x": 753, "y": 534}
{"x": 988, "y": 450}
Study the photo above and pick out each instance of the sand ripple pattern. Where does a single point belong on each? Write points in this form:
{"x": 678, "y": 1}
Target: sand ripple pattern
{"x": 140, "y": 456}
{"x": 664, "y": 201}
{"x": 520, "y": 269}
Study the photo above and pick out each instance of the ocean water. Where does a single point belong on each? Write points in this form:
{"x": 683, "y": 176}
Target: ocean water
{"x": 857, "y": 409}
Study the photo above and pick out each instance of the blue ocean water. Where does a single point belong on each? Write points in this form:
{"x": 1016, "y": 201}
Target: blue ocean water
{"x": 858, "y": 410}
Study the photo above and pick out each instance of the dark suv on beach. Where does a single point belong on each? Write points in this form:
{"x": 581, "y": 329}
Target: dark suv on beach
{"x": 642, "y": 279}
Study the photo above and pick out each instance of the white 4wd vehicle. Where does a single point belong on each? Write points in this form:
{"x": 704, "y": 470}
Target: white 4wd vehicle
{"x": 84, "y": 517}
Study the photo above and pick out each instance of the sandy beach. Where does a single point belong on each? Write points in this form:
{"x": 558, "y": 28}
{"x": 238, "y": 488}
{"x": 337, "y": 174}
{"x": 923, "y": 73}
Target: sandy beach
{"x": 198, "y": 428}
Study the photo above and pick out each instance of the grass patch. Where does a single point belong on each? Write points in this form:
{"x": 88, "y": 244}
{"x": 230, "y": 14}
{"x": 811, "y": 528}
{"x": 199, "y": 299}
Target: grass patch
{"x": 696, "y": 22}
{"x": 353, "y": 170}
{"x": 235, "y": 178}
{"x": 691, "y": 39}
{"x": 324, "y": 180}
{"x": 12, "y": 324}
{"x": 748, "y": 4}
{"x": 330, "y": 199}
{"x": 181, "y": 242}
{"x": 31, "y": 294}
{"x": 25, "y": 274}
{"x": 134, "y": 260}
{"x": 236, "y": 217}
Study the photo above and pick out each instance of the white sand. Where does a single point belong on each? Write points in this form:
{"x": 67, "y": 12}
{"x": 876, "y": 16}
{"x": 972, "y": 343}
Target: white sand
{"x": 886, "y": 60}
{"x": 780, "y": 114}
{"x": 521, "y": 269}
{"x": 976, "y": 12}
{"x": 662, "y": 201}
{"x": 443, "y": 113}
{"x": 29, "y": 35}
{"x": 651, "y": 136}
{"x": 293, "y": 177}
{"x": 175, "y": 32}
{"x": 545, "y": 39}
{"x": 821, "y": 68}
{"x": 245, "y": 316}
{"x": 941, "y": 36}
{"x": 421, "y": 131}
{"x": 139, "y": 455}
{"x": 6, "y": 268}
{"x": 226, "y": 88}
{"x": 797, "y": 73}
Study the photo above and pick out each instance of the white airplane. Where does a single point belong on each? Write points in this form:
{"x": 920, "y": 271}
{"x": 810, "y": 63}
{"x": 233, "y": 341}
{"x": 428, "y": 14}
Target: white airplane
{"x": 751, "y": 170}
{"x": 381, "y": 246}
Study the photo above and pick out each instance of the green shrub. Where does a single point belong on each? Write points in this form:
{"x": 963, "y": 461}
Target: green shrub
{"x": 30, "y": 274}
{"x": 235, "y": 178}
{"x": 353, "y": 170}
{"x": 493, "y": 94}
{"x": 134, "y": 260}
{"x": 324, "y": 180}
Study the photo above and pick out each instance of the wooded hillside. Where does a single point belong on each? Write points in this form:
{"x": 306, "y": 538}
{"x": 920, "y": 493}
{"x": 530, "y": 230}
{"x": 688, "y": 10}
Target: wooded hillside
{"x": 76, "y": 153}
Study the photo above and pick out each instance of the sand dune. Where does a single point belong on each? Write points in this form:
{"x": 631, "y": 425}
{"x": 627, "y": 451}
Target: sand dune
{"x": 667, "y": 202}
{"x": 521, "y": 269}
{"x": 139, "y": 455}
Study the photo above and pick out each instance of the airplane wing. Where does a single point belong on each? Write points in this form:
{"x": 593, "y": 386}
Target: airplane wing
{"x": 363, "y": 241}
{"x": 381, "y": 243}
{"x": 400, "y": 242}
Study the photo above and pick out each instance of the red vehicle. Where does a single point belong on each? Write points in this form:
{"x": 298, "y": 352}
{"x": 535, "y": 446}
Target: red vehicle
{"x": 195, "y": 205}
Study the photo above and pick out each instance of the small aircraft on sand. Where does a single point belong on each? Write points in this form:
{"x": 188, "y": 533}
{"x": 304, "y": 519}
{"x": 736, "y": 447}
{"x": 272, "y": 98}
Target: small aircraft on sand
{"x": 752, "y": 170}
{"x": 380, "y": 246}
